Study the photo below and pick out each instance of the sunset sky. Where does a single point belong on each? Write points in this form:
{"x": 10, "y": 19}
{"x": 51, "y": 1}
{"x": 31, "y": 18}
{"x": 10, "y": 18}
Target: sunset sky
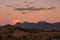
{"x": 8, "y": 15}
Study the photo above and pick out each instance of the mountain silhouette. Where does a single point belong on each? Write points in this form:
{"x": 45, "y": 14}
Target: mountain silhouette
{"x": 39, "y": 25}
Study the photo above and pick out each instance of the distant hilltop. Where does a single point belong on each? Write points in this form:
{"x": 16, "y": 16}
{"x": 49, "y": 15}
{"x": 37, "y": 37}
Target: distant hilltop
{"x": 34, "y": 27}
{"x": 39, "y": 25}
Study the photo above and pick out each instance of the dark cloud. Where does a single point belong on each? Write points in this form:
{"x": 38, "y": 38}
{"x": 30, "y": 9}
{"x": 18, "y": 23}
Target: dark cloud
{"x": 8, "y": 14}
{"x": 9, "y": 6}
{"x": 28, "y": 2}
{"x": 50, "y": 8}
{"x": 33, "y": 9}
{"x": 13, "y": 6}
{"x": 23, "y": 12}
{"x": 27, "y": 5}
{"x": 26, "y": 12}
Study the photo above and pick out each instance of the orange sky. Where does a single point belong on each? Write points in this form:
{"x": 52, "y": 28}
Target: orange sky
{"x": 8, "y": 14}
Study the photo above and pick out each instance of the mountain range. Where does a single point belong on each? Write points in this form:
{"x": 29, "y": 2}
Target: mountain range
{"x": 39, "y": 25}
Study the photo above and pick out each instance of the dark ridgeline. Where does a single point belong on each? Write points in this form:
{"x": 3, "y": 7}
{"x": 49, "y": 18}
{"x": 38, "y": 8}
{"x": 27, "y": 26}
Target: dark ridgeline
{"x": 34, "y": 27}
{"x": 31, "y": 31}
{"x": 39, "y": 25}
{"x": 25, "y": 25}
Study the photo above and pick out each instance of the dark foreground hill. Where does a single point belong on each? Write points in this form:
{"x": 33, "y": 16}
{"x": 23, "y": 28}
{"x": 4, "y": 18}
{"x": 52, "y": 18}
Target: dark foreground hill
{"x": 11, "y": 32}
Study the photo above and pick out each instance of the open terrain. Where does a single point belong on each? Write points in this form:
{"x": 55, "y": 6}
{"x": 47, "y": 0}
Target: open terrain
{"x": 10, "y": 32}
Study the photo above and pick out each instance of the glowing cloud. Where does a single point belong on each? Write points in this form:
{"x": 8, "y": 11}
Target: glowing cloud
{"x": 15, "y": 21}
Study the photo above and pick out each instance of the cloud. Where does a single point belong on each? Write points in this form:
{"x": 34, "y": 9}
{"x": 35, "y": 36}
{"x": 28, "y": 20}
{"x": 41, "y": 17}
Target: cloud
{"x": 9, "y": 6}
{"x": 26, "y": 12}
{"x": 33, "y": 9}
{"x": 28, "y": 2}
{"x": 12, "y": 6}
{"x": 50, "y": 8}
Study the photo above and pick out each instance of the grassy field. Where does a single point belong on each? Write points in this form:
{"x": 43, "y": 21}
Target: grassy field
{"x": 12, "y": 33}
{"x": 41, "y": 36}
